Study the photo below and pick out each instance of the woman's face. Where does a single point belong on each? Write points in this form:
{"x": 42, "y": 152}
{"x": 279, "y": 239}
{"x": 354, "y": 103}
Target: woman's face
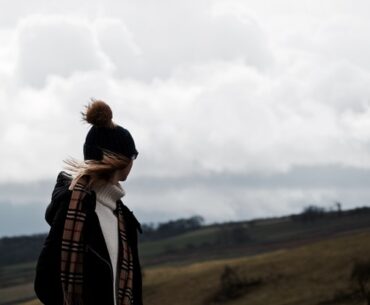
{"x": 123, "y": 173}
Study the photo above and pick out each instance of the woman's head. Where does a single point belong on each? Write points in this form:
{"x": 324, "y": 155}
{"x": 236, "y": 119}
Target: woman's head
{"x": 109, "y": 149}
{"x": 104, "y": 135}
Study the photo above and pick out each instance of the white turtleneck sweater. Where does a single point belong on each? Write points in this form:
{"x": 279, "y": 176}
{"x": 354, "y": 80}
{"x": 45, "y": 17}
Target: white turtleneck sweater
{"x": 106, "y": 202}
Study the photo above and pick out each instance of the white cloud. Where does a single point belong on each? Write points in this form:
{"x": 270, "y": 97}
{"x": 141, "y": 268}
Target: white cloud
{"x": 214, "y": 115}
{"x": 159, "y": 43}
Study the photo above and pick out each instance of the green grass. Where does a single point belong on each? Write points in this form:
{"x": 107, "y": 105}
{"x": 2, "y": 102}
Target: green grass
{"x": 16, "y": 274}
{"x": 196, "y": 238}
{"x": 261, "y": 233}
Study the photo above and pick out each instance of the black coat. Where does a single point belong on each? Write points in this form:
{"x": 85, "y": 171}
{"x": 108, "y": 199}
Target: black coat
{"x": 98, "y": 272}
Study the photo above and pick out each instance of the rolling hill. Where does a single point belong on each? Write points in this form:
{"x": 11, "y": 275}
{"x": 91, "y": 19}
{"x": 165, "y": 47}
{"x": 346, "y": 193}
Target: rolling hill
{"x": 290, "y": 260}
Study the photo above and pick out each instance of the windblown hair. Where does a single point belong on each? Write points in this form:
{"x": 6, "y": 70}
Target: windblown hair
{"x": 99, "y": 172}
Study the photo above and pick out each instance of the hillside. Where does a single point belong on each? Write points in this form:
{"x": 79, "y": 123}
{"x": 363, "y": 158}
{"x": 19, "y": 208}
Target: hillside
{"x": 306, "y": 275}
{"x": 315, "y": 274}
{"x": 237, "y": 239}
{"x": 310, "y": 245}
{"x": 230, "y": 239}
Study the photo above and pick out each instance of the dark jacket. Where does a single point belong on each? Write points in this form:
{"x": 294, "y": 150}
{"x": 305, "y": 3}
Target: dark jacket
{"x": 98, "y": 272}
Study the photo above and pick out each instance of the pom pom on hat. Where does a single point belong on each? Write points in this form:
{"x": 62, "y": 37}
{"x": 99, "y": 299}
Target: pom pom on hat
{"x": 99, "y": 114}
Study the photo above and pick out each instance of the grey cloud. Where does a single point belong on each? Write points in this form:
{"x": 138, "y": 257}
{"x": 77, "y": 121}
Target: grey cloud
{"x": 218, "y": 197}
{"x": 298, "y": 177}
{"x": 20, "y": 193}
{"x": 48, "y": 46}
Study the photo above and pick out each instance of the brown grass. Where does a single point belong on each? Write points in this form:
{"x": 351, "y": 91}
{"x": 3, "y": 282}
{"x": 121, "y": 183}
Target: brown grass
{"x": 303, "y": 276}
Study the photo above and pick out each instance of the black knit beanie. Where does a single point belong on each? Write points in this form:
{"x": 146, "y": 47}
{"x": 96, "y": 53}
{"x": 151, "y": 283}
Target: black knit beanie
{"x": 104, "y": 135}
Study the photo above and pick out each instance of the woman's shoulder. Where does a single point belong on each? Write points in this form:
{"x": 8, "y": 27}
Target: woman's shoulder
{"x": 61, "y": 195}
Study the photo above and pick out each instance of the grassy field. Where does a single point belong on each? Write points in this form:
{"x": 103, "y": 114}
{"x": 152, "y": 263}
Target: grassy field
{"x": 314, "y": 274}
{"x": 16, "y": 283}
{"x": 180, "y": 242}
{"x": 307, "y": 275}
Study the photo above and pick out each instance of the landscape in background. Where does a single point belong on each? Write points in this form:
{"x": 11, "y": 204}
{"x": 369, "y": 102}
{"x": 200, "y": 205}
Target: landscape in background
{"x": 317, "y": 257}
{"x": 252, "y": 114}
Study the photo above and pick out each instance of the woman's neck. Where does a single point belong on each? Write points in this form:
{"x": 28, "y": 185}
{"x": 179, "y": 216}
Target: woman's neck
{"x": 109, "y": 192}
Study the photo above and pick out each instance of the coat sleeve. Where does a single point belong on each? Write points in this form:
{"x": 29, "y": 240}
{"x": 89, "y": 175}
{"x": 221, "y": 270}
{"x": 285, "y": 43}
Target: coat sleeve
{"x": 47, "y": 284}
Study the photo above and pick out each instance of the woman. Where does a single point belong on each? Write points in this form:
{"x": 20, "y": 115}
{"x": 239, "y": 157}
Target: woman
{"x": 90, "y": 255}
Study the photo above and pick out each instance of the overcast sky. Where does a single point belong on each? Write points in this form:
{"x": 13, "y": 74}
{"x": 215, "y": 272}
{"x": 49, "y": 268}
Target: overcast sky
{"x": 239, "y": 109}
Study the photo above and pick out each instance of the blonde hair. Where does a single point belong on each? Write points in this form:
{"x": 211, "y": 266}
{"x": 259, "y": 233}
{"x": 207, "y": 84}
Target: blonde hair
{"x": 99, "y": 172}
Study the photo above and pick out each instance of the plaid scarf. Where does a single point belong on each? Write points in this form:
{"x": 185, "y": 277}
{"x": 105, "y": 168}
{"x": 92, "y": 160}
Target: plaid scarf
{"x": 73, "y": 251}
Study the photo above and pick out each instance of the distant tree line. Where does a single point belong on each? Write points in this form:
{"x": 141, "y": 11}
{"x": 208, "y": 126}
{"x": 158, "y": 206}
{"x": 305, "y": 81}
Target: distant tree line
{"x": 171, "y": 228}
{"x": 20, "y": 249}
{"x": 26, "y": 248}
{"x": 312, "y": 213}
